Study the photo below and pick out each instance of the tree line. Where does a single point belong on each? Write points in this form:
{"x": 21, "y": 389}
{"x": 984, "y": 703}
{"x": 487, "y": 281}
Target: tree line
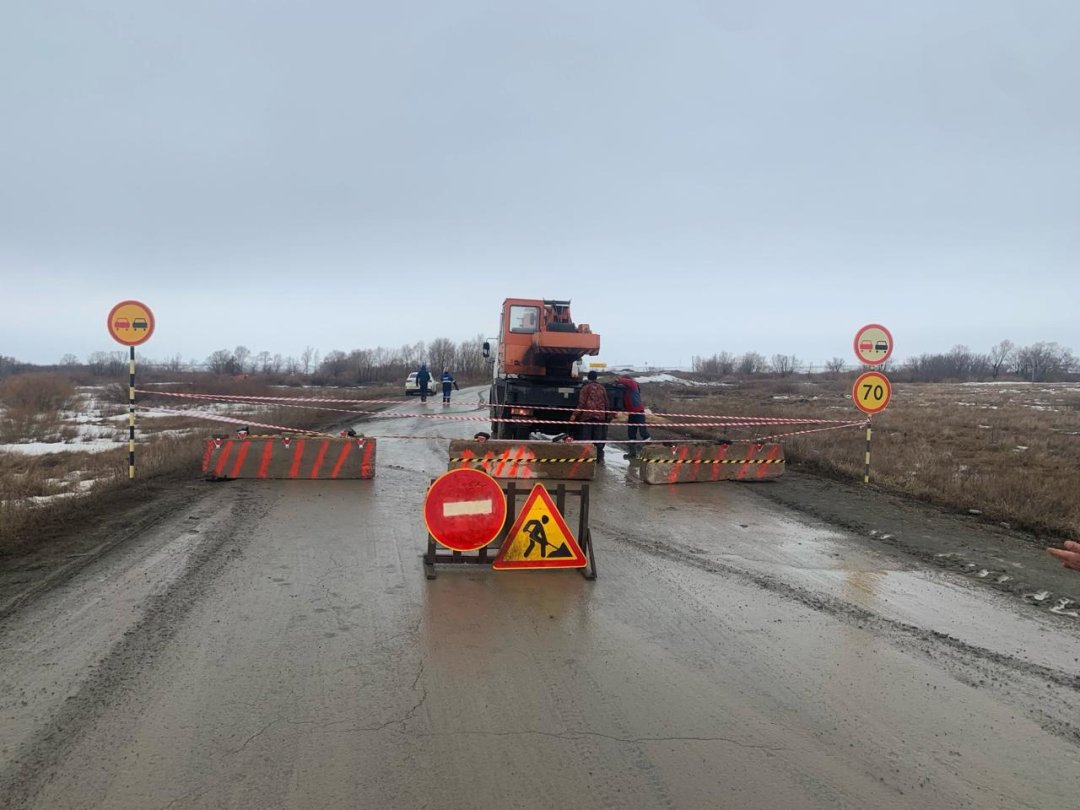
{"x": 356, "y": 367}
{"x": 1039, "y": 362}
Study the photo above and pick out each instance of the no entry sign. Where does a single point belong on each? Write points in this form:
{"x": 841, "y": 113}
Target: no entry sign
{"x": 465, "y": 509}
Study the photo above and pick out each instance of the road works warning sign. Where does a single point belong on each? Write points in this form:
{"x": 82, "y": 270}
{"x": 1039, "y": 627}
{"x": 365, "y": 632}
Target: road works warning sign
{"x": 539, "y": 538}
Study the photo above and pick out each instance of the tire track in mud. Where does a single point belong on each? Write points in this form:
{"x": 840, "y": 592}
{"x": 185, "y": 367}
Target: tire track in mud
{"x": 117, "y": 678}
{"x": 1022, "y": 682}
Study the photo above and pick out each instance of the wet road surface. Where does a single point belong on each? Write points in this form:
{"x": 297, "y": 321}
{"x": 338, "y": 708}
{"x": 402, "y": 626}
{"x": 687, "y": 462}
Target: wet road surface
{"x": 277, "y": 645}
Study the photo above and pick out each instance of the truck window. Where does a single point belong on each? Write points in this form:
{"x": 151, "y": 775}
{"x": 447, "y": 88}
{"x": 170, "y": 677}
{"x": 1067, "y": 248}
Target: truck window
{"x": 523, "y": 319}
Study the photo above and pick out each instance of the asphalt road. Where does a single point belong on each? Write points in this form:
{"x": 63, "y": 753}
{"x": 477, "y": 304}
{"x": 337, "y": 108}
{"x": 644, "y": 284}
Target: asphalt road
{"x": 276, "y": 644}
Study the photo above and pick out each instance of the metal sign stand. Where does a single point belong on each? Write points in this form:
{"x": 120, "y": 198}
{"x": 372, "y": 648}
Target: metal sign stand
{"x": 439, "y": 555}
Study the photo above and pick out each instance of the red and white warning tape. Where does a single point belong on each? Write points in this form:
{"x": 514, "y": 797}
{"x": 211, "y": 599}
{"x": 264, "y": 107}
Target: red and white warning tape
{"x": 713, "y": 418}
{"x": 717, "y": 421}
{"x": 216, "y": 417}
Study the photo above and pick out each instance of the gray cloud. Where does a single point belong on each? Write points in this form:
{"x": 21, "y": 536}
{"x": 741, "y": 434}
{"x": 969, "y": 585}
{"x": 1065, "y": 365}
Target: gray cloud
{"x": 697, "y": 176}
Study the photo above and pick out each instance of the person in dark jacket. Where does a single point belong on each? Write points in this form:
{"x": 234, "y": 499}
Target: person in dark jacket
{"x": 635, "y": 413}
{"x": 448, "y": 382}
{"x": 423, "y": 378}
{"x": 592, "y": 407}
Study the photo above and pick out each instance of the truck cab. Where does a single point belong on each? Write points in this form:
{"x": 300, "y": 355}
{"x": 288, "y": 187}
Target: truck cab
{"x": 535, "y": 365}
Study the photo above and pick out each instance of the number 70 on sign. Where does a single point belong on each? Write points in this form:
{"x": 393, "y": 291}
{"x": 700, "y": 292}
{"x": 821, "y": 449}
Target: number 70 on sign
{"x": 871, "y": 392}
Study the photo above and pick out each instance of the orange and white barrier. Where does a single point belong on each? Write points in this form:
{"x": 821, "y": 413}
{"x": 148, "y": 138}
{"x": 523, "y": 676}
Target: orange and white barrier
{"x": 711, "y": 461}
{"x": 574, "y": 461}
{"x": 292, "y": 457}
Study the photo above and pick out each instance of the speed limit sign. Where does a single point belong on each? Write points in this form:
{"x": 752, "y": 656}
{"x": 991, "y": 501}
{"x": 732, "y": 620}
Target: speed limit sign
{"x": 871, "y": 392}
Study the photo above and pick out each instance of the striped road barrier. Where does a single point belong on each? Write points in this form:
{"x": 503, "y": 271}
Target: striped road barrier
{"x": 292, "y": 457}
{"x": 711, "y": 461}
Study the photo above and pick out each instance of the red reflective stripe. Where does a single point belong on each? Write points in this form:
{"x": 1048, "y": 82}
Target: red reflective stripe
{"x": 267, "y": 454}
{"x": 341, "y": 459}
{"x": 580, "y": 461}
{"x": 297, "y": 457}
{"x": 466, "y": 456}
{"x": 721, "y": 454}
{"x": 207, "y": 454}
{"x": 673, "y": 476}
{"x": 224, "y": 457}
{"x": 365, "y": 462}
{"x": 240, "y": 456}
{"x": 503, "y": 458}
{"x": 697, "y": 465}
{"x": 517, "y": 458}
{"x": 745, "y": 467}
{"x": 319, "y": 458}
{"x": 764, "y": 468}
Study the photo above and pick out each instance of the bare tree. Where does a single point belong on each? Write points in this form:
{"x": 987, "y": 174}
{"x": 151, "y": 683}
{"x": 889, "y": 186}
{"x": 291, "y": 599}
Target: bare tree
{"x": 221, "y": 362}
{"x": 784, "y": 364}
{"x": 469, "y": 360}
{"x": 959, "y": 361}
{"x": 719, "y": 365}
{"x": 308, "y": 358}
{"x": 441, "y": 353}
{"x": 334, "y": 366}
{"x": 241, "y": 355}
{"x": 1000, "y": 356}
{"x": 835, "y": 366}
{"x": 1044, "y": 361}
{"x": 751, "y": 363}
{"x": 262, "y": 362}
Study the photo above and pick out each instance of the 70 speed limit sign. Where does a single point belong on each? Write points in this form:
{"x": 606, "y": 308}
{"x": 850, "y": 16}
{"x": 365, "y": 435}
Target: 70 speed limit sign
{"x": 871, "y": 392}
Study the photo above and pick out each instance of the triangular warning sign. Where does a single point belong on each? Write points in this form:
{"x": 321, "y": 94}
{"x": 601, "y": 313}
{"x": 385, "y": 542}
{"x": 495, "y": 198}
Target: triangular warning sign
{"x": 539, "y": 538}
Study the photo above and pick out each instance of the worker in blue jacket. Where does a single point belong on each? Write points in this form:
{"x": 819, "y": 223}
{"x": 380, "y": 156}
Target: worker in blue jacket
{"x": 423, "y": 377}
{"x": 448, "y": 382}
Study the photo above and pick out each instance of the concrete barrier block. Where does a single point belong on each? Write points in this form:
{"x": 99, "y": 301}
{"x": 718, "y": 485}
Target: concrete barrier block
{"x": 293, "y": 457}
{"x": 525, "y": 459}
{"x": 709, "y": 461}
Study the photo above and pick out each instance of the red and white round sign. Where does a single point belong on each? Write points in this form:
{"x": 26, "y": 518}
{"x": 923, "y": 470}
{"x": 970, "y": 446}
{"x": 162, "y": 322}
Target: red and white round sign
{"x": 465, "y": 509}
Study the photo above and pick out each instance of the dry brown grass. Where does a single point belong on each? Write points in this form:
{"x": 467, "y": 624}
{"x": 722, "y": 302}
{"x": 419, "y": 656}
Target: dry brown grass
{"x": 32, "y": 404}
{"x": 1010, "y": 451}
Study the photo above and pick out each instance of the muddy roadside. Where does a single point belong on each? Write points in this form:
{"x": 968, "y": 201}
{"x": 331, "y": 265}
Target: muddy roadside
{"x": 87, "y": 529}
{"x": 1002, "y": 558}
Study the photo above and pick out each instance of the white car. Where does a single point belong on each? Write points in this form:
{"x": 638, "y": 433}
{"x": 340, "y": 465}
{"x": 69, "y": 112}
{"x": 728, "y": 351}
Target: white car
{"x": 413, "y": 387}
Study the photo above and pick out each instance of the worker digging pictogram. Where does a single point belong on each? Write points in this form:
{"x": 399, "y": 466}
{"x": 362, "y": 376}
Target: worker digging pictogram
{"x": 539, "y": 538}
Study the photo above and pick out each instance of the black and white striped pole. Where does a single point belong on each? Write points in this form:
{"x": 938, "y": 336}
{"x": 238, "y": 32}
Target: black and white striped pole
{"x": 131, "y": 323}
{"x": 131, "y": 414}
{"x": 866, "y": 468}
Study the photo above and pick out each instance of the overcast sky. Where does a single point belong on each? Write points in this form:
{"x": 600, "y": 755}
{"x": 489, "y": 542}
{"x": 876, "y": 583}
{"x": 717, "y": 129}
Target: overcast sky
{"x": 696, "y": 175}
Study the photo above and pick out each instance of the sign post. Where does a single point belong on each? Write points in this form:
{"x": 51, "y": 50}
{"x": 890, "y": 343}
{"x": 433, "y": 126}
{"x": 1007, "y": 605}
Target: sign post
{"x": 130, "y": 323}
{"x": 872, "y": 391}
